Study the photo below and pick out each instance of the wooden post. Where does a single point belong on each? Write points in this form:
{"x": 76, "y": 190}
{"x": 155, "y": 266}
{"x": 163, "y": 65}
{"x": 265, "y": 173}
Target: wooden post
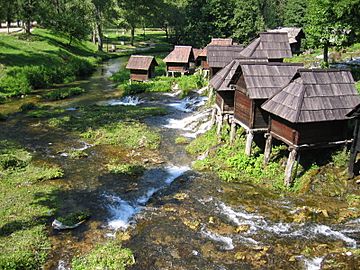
{"x": 213, "y": 117}
{"x": 211, "y": 92}
{"x": 219, "y": 124}
{"x": 268, "y": 147}
{"x": 249, "y": 140}
{"x": 354, "y": 150}
{"x": 289, "y": 167}
{"x": 232, "y": 132}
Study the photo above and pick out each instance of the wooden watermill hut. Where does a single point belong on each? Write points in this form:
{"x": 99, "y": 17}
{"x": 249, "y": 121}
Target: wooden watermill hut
{"x": 142, "y": 68}
{"x": 273, "y": 46}
{"x": 180, "y": 60}
{"x": 197, "y": 59}
{"x": 295, "y": 36}
{"x": 214, "y": 42}
{"x": 310, "y": 112}
{"x": 355, "y": 147}
{"x": 220, "y": 56}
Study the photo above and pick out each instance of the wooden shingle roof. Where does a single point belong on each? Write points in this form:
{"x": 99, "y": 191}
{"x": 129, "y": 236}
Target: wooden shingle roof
{"x": 315, "y": 96}
{"x": 220, "y": 56}
{"x": 221, "y": 81}
{"x": 196, "y": 52}
{"x": 216, "y": 42}
{"x": 180, "y": 54}
{"x": 263, "y": 80}
{"x": 141, "y": 62}
{"x": 294, "y": 33}
{"x": 270, "y": 45}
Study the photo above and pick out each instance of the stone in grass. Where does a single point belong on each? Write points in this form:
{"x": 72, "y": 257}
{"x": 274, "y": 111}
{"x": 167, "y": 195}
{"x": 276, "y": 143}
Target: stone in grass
{"x": 71, "y": 221}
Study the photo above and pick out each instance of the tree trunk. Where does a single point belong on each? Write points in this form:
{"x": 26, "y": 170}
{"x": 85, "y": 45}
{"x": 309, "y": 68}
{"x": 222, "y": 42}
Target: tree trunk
{"x": 132, "y": 35}
{"x": 326, "y": 54}
{"x": 8, "y": 26}
{"x": 28, "y": 27}
{"x": 167, "y": 33}
{"x": 99, "y": 30}
{"x": 18, "y": 23}
{"x": 93, "y": 36}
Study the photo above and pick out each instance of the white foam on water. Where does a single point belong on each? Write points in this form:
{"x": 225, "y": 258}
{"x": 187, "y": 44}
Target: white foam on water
{"x": 313, "y": 264}
{"x": 62, "y": 266}
{"x": 327, "y": 231}
{"x": 123, "y": 211}
{"x": 125, "y": 101}
{"x": 173, "y": 94}
{"x": 71, "y": 109}
{"x": 174, "y": 172}
{"x": 189, "y": 104}
{"x": 86, "y": 146}
{"x": 195, "y": 124}
{"x": 226, "y": 241}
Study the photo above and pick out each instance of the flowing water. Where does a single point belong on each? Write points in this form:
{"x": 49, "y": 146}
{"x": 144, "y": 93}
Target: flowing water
{"x": 176, "y": 218}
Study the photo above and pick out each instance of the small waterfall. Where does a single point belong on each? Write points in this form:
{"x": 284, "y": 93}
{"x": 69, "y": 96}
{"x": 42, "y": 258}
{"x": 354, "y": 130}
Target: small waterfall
{"x": 226, "y": 241}
{"x": 125, "y": 101}
{"x": 122, "y": 211}
{"x": 313, "y": 264}
{"x": 189, "y": 104}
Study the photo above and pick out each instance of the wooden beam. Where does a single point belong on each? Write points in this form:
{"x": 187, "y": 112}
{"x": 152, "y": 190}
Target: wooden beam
{"x": 232, "y": 131}
{"x": 213, "y": 116}
{"x": 219, "y": 124}
{"x": 289, "y": 167}
{"x": 268, "y": 148}
{"x": 249, "y": 140}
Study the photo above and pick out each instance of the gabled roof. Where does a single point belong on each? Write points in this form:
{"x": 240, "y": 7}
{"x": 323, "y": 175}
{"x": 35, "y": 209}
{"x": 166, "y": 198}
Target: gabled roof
{"x": 294, "y": 33}
{"x": 196, "y": 52}
{"x": 217, "y": 42}
{"x": 271, "y": 45}
{"x": 141, "y": 62}
{"x": 263, "y": 80}
{"x": 221, "y": 41}
{"x": 315, "y": 96}
{"x": 180, "y": 54}
{"x": 220, "y": 56}
{"x": 230, "y": 74}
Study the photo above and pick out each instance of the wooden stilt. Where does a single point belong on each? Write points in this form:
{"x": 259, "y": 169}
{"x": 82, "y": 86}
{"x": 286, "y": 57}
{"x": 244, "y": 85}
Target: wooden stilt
{"x": 249, "y": 140}
{"x": 219, "y": 124}
{"x": 232, "y": 132}
{"x": 213, "y": 117}
{"x": 289, "y": 167}
{"x": 352, "y": 161}
{"x": 268, "y": 147}
{"x": 211, "y": 93}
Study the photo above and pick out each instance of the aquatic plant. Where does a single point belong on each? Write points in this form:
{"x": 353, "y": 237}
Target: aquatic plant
{"x": 127, "y": 168}
{"x": 111, "y": 256}
{"x": 63, "y": 93}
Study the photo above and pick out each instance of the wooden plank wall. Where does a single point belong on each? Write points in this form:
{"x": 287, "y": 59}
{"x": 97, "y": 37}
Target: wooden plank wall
{"x": 284, "y": 130}
{"x": 139, "y": 75}
{"x": 228, "y": 97}
{"x": 261, "y": 118}
{"x": 243, "y": 108}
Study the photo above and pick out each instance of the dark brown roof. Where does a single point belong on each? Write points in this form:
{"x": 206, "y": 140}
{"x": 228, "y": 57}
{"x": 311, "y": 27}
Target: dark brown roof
{"x": 221, "y": 41}
{"x": 315, "y": 96}
{"x": 228, "y": 75}
{"x": 264, "y": 80}
{"x": 141, "y": 62}
{"x": 355, "y": 112}
{"x": 220, "y": 56}
{"x": 180, "y": 54}
{"x": 294, "y": 33}
{"x": 269, "y": 45}
{"x": 196, "y": 52}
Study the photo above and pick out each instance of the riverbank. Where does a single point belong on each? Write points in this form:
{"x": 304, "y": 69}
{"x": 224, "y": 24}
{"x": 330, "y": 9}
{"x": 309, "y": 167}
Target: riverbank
{"x": 45, "y": 60}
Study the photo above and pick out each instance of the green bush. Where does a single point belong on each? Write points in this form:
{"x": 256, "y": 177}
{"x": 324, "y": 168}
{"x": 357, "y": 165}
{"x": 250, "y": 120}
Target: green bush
{"x": 63, "y": 93}
{"x": 110, "y": 256}
{"x": 122, "y": 76}
{"x": 28, "y": 107}
{"x": 128, "y": 169}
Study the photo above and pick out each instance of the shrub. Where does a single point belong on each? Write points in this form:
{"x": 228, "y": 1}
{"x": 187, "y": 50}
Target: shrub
{"x": 122, "y": 76}
{"x": 28, "y": 107}
{"x": 128, "y": 169}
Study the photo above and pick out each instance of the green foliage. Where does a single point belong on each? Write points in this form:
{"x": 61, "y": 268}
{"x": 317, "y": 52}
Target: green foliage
{"x": 133, "y": 135}
{"x": 122, "y": 76}
{"x": 25, "y": 208}
{"x": 357, "y": 85}
{"x": 127, "y": 168}
{"x": 74, "y": 218}
{"x": 231, "y": 163}
{"x": 341, "y": 158}
{"x": 182, "y": 140}
{"x": 58, "y": 121}
{"x": 109, "y": 256}
{"x": 63, "y": 93}
{"x": 295, "y": 11}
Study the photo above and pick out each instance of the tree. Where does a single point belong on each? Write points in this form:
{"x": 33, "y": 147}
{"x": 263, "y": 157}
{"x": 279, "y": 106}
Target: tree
{"x": 8, "y": 11}
{"x": 330, "y": 24}
{"x": 295, "y": 13}
{"x": 28, "y": 10}
{"x": 248, "y": 20}
{"x": 70, "y": 17}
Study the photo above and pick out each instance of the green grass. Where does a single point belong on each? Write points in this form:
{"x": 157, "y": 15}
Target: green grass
{"x": 25, "y": 208}
{"x": 110, "y": 256}
{"x": 41, "y": 60}
{"x": 127, "y": 168}
{"x": 63, "y": 93}
{"x": 133, "y": 135}
{"x": 74, "y": 218}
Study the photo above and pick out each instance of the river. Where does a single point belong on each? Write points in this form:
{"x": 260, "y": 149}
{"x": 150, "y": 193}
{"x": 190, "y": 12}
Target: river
{"x": 176, "y": 218}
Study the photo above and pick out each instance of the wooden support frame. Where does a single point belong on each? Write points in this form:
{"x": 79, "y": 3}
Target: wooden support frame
{"x": 249, "y": 141}
{"x": 232, "y": 132}
{"x": 290, "y": 166}
{"x": 268, "y": 148}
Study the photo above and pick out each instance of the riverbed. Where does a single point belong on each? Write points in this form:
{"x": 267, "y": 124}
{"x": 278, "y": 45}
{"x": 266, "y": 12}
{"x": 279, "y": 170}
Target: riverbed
{"x": 170, "y": 216}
